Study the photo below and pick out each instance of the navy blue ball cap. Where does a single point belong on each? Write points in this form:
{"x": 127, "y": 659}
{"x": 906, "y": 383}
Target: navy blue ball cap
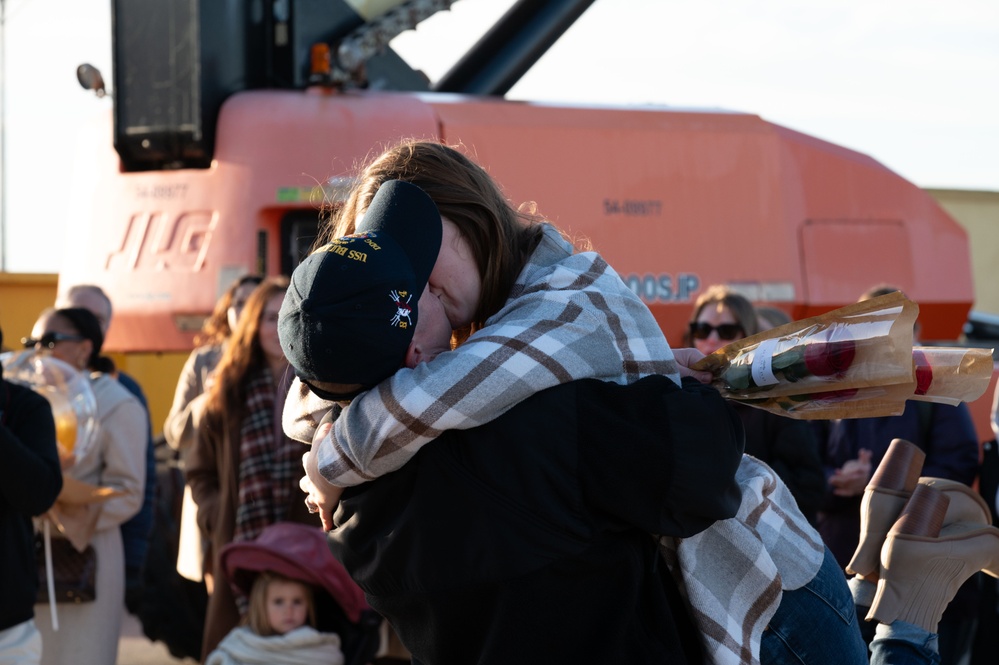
{"x": 407, "y": 214}
{"x": 349, "y": 313}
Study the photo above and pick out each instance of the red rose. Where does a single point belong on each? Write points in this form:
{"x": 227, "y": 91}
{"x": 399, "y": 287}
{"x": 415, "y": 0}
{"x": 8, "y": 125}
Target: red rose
{"x": 924, "y": 373}
{"x": 830, "y": 358}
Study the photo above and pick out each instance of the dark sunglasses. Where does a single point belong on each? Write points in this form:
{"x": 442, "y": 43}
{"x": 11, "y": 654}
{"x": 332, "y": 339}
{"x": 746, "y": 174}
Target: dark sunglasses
{"x": 50, "y": 339}
{"x": 726, "y": 331}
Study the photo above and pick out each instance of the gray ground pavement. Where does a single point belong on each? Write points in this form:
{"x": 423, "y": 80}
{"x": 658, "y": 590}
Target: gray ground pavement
{"x": 135, "y": 649}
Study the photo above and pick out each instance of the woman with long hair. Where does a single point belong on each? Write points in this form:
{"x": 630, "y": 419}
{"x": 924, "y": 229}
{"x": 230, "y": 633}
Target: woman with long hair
{"x": 242, "y": 470}
{"x": 182, "y": 421}
{"x": 181, "y": 426}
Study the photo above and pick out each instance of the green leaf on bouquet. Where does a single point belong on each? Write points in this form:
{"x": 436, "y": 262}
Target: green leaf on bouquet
{"x": 788, "y": 358}
{"x": 738, "y": 377}
{"x": 795, "y": 372}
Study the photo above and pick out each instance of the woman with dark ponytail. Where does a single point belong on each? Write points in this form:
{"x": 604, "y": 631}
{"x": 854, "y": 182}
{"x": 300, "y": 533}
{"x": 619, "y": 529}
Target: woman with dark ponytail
{"x": 88, "y": 632}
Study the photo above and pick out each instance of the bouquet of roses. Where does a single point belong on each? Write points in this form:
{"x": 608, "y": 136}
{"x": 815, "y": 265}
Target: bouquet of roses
{"x": 853, "y": 362}
{"x": 948, "y": 375}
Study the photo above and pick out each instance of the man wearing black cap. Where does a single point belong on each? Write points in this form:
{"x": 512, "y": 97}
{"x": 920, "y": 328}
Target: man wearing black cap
{"x": 525, "y": 539}
{"x": 350, "y": 310}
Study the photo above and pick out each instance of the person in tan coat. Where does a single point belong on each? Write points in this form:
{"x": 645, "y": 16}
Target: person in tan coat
{"x": 181, "y": 426}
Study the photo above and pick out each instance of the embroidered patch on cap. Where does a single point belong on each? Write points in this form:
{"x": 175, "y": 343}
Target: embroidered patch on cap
{"x": 403, "y": 310}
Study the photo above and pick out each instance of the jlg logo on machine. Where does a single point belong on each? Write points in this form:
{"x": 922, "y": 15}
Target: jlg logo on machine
{"x": 173, "y": 241}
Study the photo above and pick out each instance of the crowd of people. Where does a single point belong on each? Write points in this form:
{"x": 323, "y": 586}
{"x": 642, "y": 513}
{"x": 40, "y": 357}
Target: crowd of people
{"x": 510, "y": 459}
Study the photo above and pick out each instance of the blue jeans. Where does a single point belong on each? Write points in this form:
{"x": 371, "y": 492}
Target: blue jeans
{"x": 816, "y": 624}
{"x": 901, "y": 643}
{"x": 897, "y": 643}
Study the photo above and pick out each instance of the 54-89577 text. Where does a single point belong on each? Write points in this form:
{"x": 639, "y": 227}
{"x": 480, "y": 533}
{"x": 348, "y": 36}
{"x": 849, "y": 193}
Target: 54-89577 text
{"x": 633, "y": 207}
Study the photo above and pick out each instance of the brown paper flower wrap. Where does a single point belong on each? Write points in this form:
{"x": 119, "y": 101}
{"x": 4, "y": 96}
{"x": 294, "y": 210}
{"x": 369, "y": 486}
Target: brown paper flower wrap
{"x": 864, "y": 344}
{"x": 854, "y": 362}
{"x": 942, "y": 374}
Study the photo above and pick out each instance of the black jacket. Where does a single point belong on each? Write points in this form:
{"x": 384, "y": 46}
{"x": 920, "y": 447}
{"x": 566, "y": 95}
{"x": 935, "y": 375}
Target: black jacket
{"x": 791, "y": 448}
{"x": 526, "y": 540}
{"x": 30, "y": 481}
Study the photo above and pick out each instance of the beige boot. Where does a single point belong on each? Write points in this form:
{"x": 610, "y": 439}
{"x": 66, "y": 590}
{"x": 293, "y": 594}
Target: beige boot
{"x": 884, "y": 498}
{"x": 923, "y": 563}
{"x": 965, "y": 504}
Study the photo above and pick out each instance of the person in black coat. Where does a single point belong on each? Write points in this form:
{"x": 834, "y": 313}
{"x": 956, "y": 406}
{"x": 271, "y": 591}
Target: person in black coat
{"x": 30, "y": 481}
{"x": 526, "y": 540}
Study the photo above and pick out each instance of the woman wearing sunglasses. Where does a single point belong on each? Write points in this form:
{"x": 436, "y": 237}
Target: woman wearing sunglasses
{"x": 88, "y": 632}
{"x": 788, "y": 446}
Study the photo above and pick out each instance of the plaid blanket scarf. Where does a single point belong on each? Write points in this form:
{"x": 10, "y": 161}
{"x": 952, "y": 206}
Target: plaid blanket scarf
{"x": 734, "y": 573}
{"x": 268, "y": 468}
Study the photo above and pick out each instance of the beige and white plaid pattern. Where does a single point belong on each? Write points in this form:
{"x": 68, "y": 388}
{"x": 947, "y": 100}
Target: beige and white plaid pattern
{"x": 733, "y": 574}
{"x": 569, "y": 316}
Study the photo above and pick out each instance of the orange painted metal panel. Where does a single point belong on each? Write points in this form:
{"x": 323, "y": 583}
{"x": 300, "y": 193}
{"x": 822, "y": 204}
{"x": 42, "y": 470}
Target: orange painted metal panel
{"x": 869, "y": 251}
{"x": 674, "y": 199}
{"x": 678, "y": 200}
{"x": 165, "y": 244}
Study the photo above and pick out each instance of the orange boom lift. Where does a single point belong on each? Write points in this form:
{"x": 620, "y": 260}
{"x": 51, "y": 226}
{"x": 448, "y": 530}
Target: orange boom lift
{"x": 232, "y": 124}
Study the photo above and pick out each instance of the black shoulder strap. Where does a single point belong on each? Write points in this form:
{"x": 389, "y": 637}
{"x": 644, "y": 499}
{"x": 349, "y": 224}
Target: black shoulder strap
{"x": 6, "y": 406}
{"x": 925, "y": 412}
{"x": 988, "y": 478}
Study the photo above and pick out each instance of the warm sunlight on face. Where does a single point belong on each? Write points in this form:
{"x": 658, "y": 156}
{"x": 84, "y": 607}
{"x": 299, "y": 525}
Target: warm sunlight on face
{"x": 715, "y": 315}
{"x": 239, "y": 298}
{"x": 287, "y": 605}
{"x": 433, "y": 331}
{"x": 455, "y": 278}
{"x": 270, "y": 343}
{"x": 58, "y": 337}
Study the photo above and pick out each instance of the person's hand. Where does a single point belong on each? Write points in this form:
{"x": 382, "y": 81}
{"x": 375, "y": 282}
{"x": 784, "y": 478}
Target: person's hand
{"x": 66, "y": 460}
{"x": 851, "y": 479}
{"x": 685, "y": 357}
{"x": 323, "y": 496}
